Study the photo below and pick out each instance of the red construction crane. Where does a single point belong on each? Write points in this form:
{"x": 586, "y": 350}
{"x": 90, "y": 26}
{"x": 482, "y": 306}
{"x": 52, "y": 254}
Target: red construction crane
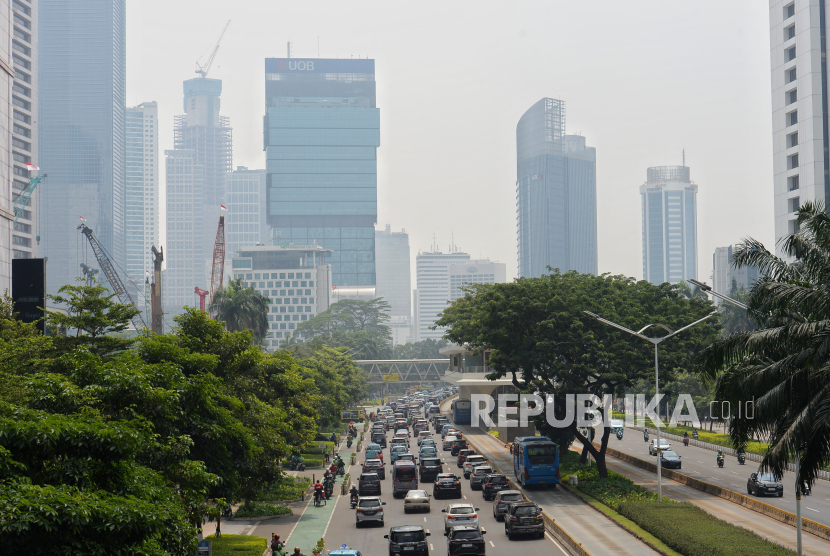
{"x": 217, "y": 274}
{"x": 201, "y": 293}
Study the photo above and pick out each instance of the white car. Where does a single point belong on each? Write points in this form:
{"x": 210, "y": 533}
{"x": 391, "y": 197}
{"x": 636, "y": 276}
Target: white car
{"x": 423, "y": 435}
{"x": 460, "y": 514}
{"x": 416, "y": 500}
{"x": 472, "y": 461}
{"x": 664, "y": 446}
{"x": 369, "y": 508}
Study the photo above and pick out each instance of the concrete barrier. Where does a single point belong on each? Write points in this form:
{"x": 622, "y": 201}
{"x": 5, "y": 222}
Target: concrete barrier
{"x": 765, "y": 509}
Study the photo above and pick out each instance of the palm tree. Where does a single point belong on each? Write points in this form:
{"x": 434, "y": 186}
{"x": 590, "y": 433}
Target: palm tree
{"x": 783, "y": 365}
{"x": 241, "y": 308}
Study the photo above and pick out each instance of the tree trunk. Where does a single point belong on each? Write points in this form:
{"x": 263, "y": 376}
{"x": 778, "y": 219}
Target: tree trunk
{"x": 588, "y": 447}
{"x": 583, "y": 459}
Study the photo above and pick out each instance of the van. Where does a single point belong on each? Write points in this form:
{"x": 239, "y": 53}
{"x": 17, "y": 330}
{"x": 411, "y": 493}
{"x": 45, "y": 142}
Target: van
{"x": 404, "y": 477}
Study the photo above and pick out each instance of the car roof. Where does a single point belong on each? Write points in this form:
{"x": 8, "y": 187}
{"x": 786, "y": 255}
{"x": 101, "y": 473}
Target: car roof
{"x": 344, "y": 552}
{"x": 400, "y": 528}
{"x": 372, "y": 460}
{"x": 481, "y": 468}
{"x": 496, "y": 474}
{"x": 523, "y": 504}
{"x": 464, "y": 528}
{"x": 369, "y": 498}
{"x": 447, "y": 475}
{"x": 509, "y": 492}
{"x": 404, "y": 464}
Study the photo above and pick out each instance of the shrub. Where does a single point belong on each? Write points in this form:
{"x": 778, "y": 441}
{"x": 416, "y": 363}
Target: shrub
{"x": 261, "y": 509}
{"x": 237, "y": 545}
{"x": 693, "y": 532}
{"x": 290, "y": 488}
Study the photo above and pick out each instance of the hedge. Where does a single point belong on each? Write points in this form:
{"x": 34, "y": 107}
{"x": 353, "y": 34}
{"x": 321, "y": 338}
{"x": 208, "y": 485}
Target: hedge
{"x": 260, "y": 509}
{"x": 237, "y": 545}
{"x": 290, "y": 488}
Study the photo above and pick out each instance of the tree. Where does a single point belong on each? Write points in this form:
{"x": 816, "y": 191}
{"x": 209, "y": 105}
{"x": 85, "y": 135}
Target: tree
{"x": 425, "y": 349}
{"x": 359, "y": 326}
{"x": 784, "y": 365}
{"x": 735, "y": 319}
{"x": 241, "y": 308}
{"x": 542, "y": 339}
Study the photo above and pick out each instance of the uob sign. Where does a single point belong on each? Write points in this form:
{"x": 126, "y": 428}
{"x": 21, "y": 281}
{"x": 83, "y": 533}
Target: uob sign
{"x": 295, "y": 65}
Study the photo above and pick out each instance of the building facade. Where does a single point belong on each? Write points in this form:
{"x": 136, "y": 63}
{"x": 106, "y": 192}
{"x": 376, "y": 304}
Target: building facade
{"x": 799, "y": 75}
{"x": 321, "y": 134}
{"x": 295, "y": 278}
{"x": 24, "y": 98}
{"x": 185, "y": 254}
{"x": 556, "y": 194}
{"x": 669, "y": 210}
{"x": 6, "y": 96}
{"x": 245, "y": 222}
{"x": 81, "y": 119}
{"x": 394, "y": 277}
{"x": 474, "y": 271}
{"x": 724, "y": 273}
{"x": 432, "y": 271}
{"x": 141, "y": 197}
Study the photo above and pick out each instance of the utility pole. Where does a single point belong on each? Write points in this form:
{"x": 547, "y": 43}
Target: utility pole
{"x": 155, "y": 291}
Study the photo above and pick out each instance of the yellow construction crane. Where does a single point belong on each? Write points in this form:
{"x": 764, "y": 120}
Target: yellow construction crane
{"x": 203, "y": 70}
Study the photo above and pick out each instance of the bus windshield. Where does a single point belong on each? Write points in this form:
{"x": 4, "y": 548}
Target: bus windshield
{"x": 539, "y": 455}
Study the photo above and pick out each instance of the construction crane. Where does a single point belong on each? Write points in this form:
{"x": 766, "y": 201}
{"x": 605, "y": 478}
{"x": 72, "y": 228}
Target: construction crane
{"x": 23, "y": 199}
{"x": 201, "y": 293}
{"x": 203, "y": 70}
{"x": 218, "y": 272}
{"x": 109, "y": 271}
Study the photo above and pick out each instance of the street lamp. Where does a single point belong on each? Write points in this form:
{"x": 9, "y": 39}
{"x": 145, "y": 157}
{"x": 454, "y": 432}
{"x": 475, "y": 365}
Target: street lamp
{"x": 708, "y": 289}
{"x": 656, "y": 342}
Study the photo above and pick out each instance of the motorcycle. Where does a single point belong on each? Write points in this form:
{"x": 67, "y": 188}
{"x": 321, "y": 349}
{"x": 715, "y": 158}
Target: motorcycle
{"x": 328, "y": 490}
{"x": 318, "y": 497}
{"x": 685, "y": 440}
{"x": 619, "y": 435}
{"x": 297, "y": 466}
{"x": 349, "y": 442}
{"x": 741, "y": 458}
{"x": 353, "y": 501}
{"x": 341, "y": 469}
{"x": 806, "y": 490}
{"x": 720, "y": 461}
{"x": 645, "y": 436}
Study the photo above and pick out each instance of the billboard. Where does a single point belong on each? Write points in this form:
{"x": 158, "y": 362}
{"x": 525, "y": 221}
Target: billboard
{"x": 318, "y": 65}
{"x": 29, "y": 290}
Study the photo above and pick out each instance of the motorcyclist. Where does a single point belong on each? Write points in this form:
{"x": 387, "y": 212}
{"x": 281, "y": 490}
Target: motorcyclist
{"x": 686, "y": 434}
{"x": 353, "y": 493}
{"x": 645, "y": 435}
{"x": 294, "y": 461}
{"x": 318, "y": 490}
{"x": 277, "y": 546}
{"x": 694, "y": 435}
{"x": 720, "y": 455}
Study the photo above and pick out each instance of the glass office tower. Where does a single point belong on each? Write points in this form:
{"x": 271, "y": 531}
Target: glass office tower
{"x": 82, "y": 96}
{"x": 321, "y": 132}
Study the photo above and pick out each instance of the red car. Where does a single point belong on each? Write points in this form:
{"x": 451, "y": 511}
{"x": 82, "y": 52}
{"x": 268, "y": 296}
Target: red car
{"x": 462, "y": 455}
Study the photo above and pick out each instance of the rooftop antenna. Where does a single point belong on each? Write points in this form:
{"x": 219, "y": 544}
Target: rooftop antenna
{"x": 203, "y": 70}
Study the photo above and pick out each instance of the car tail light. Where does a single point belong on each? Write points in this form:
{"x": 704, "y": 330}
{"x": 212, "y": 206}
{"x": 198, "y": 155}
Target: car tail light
{"x": 512, "y": 518}
{"x": 474, "y": 515}
{"x": 450, "y": 517}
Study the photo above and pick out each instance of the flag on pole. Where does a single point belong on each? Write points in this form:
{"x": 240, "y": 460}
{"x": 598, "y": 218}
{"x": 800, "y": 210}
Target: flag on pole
{"x": 223, "y": 207}
{"x": 31, "y": 166}
{"x": 82, "y": 218}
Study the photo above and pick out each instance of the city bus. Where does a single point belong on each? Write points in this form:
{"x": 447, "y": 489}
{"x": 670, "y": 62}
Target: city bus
{"x": 461, "y": 412}
{"x": 404, "y": 477}
{"x": 535, "y": 461}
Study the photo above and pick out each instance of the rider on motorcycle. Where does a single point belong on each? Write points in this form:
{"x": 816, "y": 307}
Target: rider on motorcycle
{"x": 645, "y": 435}
{"x": 353, "y": 493}
{"x": 720, "y": 454}
{"x": 318, "y": 490}
{"x": 338, "y": 463}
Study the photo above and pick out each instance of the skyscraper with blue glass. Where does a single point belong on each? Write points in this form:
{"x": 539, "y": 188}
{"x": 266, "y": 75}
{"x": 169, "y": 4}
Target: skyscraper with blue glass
{"x": 322, "y": 131}
{"x": 82, "y": 105}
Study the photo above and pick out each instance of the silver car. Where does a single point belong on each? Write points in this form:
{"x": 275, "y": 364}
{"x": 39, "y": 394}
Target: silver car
{"x": 504, "y": 499}
{"x": 448, "y": 440}
{"x": 369, "y": 508}
{"x": 478, "y": 475}
{"x": 416, "y": 500}
{"x": 460, "y": 514}
{"x": 472, "y": 461}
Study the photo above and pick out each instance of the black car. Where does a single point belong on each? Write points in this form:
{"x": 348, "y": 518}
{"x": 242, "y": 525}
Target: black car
{"x": 502, "y": 500}
{"x": 408, "y": 539}
{"x": 760, "y": 484}
{"x": 523, "y": 517}
{"x": 379, "y": 438}
{"x": 446, "y": 484}
{"x": 457, "y": 446}
{"x": 430, "y": 468}
{"x": 492, "y": 484}
{"x": 464, "y": 539}
{"x": 670, "y": 460}
{"x": 368, "y": 483}
{"x": 375, "y": 466}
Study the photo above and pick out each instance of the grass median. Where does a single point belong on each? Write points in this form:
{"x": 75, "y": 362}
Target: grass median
{"x": 237, "y": 545}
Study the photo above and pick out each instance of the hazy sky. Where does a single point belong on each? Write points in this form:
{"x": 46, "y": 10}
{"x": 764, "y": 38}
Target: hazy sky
{"x": 642, "y": 80}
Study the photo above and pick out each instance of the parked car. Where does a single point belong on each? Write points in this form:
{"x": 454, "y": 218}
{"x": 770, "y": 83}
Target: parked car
{"x": 368, "y": 483}
{"x": 465, "y": 540}
{"x": 523, "y": 517}
{"x": 416, "y": 500}
{"x": 471, "y": 461}
{"x": 493, "y": 484}
{"x": 429, "y": 468}
{"x": 502, "y": 500}
{"x": 447, "y": 444}
{"x": 760, "y": 484}
{"x": 408, "y": 539}
{"x": 374, "y": 466}
{"x": 462, "y": 455}
{"x": 664, "y": 446}
{"x": 670, "y": 459}
{"x": 460, "y": 514}
{"x": 369, "y": 509}
{"x": 478, "y": 475}
{"x": 446, "y": 484}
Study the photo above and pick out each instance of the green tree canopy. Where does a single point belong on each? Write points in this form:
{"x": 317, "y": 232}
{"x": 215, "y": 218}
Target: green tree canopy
{"x": 241, "y": 308}
{"x": 425, "y": 349}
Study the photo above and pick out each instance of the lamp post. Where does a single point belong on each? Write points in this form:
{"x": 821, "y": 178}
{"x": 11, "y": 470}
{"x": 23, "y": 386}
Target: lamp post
{"x": 656, "y": 342}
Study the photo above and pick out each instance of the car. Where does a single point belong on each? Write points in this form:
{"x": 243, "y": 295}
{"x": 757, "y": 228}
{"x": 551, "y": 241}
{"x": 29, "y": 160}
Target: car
{"x": 403, "y": 433}
{"x": 344, "y": 552}
{"x": 493, "y": 484}
{"x": 760, "y": 484}
{"x": 439, "y": 423}
{"x": 502, "y": 500}
{"x": 428, "y": 442}
{"x": 372, "y": 450}
{"x": 460, "y": 514}
{"x": 448, "y": 430}
{"x": 478, "y": 475}
{"x": 429, "y": 468}
{"x": 523, "y": 517}
{"x": 465, "y": 540}
{"x": 408, "y": 539}
{"x": 447, "y": 444}
{"x": 462, "y": 455}
{"x": 368, "y": 483}
{"x": 416, "y": 500}
{"x": 670, "y": 459}
{"x": 427, "y": 452}
{"x": 457, "y": 446}
{"x": 395, "y": 451}
{"x": 379, "y": 438}
{"x": 369, "y": 509}
{"x": 446, "y": 484}
{"x": 470, "y": 462}
{"x": 405, "y": 457}
{"x": 664, "y": 446}
{"x": 423, "y": 435}
{"x": 374, "y": 466}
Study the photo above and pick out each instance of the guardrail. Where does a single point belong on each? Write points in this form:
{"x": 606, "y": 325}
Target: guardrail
{"x": 757, "y": 458}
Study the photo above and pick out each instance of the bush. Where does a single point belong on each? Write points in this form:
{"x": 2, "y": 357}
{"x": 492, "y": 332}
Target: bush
{"x": 693, "y": 532}
{"x": 237, "y": 545}
{"x": 290, "y": 488}
{"x": 261, "y": 509}
{"x": 493, "y": 432}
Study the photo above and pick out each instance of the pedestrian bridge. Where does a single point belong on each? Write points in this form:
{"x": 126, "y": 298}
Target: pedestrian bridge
{"x": 413, "y": 371}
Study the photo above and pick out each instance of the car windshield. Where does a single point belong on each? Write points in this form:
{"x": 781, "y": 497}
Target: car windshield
{"x": 416, "y": 494}
{"x": 511, "y": 498}
{"x": 482, "y": 470}
{"x": 497, "y": 480}
{"x": 369, "y": 503}
{"x": 408, "y": 536}
{"x": 466, "y": 535}
{"x": 398, "y": 448}
{"x": 767, "y": 477}
{"x": 541, "y": 454}
{"x": 431, "y": 461}
{"x": 670, "y": 454}
{"x": 475, "y": 459}
{"x": 462, "y": 510}
{"x": 406, "y": 457}
{"x": 369, "y": 478}
{"x": 526, "y": 510}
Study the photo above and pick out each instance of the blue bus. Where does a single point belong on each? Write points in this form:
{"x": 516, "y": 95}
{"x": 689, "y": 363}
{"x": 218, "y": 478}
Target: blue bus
{"x": 461, "y": 412}
{"x": 535, "y": 461}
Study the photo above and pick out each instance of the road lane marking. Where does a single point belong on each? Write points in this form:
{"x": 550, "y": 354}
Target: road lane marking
{"x": 811, "y": 509}
{"x": 465, "y": 496}
{"x": 734, "y": 473}
{"x": 554, "y": 541}
{"x": 425, "y": 520}
{"x": 430, "y": 547}
{"x": 491, "y": 544}
{"x": 733, "y": 484}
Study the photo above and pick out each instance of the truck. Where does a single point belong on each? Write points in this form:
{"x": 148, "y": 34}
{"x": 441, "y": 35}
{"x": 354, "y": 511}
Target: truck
{"x": 350, "y": 415}
{"x": 461, "y": 410}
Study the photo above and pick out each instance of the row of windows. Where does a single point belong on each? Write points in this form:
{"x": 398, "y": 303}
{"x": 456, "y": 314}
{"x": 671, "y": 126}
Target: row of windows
{"x": 322, "y": 117}
{"x": 323, "y": 194}
{"x": 291, "y": 309}
{"x": 283, "y": 326}
{"x": 303, "y": 234}
{"x": 288, "y": 300}
{"x": 278, "y": 276}
{"x": 321, "y": 166}
{"x": 323, "y": 137}
{"x": 321, "y": 153}
{"x": 280, "y": 318}
{"x": 323, "y": 208}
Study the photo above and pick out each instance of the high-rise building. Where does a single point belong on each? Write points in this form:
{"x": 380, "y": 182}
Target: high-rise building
{"x": 556, "y": 194}
{"x": 24, "y": 57}
{"x": 141, "y": 198}
{"x": 185, "y": 254}
{"x": 669, "y": 203}
{"x": 475, "y": 271}
{"x": 724, "y": 273}
{"x": 394, "y": 280}
{"x": 6, "y": 100}
{"x": 432, "y": 271}
{"x": 322, "y": 131}
{"x": 245, "y": 223}
{"x": 198, "y": 168}
{"x": 81, "y": 113}
{"x": 801, "y": 161}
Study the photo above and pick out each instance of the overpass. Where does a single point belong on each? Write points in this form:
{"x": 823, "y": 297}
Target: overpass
{"x": 409, "y": 371}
